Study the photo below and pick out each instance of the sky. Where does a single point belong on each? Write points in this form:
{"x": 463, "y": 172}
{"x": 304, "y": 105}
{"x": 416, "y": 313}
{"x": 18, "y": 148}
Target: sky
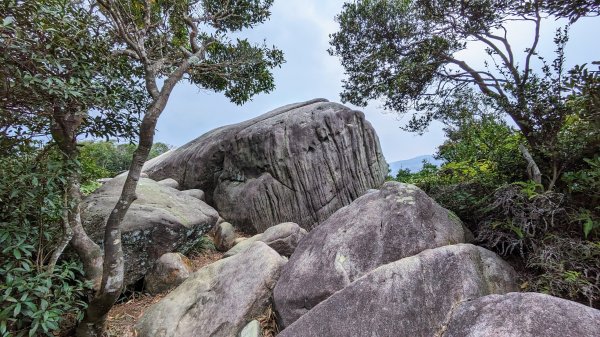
{"x": 301, "y": 29}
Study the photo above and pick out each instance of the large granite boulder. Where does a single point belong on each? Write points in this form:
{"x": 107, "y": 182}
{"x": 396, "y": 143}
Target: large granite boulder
{"x": 159, "y": 221}
{"x": 410, "y": 297}
{"x": 523, "y": 315}
{"x": 299, "y": 163}
{"x": 217, "y": 300}
{"x": 380, "y": 227}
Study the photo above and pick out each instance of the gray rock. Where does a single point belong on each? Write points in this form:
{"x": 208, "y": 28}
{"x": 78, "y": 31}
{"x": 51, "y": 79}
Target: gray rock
{"x": 523, "y": 315}
{"x": 298, "y": 163}
{"x": 284, "y": 238}
{"x": 409, "y": 297}
{"x": 196, "y": 193}
{"x": 160, "y": 221}
{"x": 240, "y": 247}
{"x": 169, "y": 182}
{"x": 169, "y": 271}
{"x": 217, "y": 300}
{"x": 224, "y": 236}
{"x": 103, "y": 180}
{"x": 252, "y": 329}
{"x": 380, "y": 227}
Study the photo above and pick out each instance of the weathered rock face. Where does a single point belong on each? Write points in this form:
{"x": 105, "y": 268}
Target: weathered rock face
{"x": 380, "y": 227}
{"x": 297, "y": 163}
{"x": 219, "y": 299}
{"x": 409, "y": 297}
{"x": 160, "y": 221}
{"x": 523, "y": 315}
{"x": 169, "y": 271}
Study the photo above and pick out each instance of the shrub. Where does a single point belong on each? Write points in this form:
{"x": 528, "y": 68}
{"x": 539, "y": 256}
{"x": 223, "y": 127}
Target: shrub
{"x": 34, "y": 299}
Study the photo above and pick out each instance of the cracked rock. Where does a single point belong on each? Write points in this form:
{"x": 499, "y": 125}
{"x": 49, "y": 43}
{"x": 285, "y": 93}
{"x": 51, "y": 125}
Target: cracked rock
{"x": 298, "y": 163}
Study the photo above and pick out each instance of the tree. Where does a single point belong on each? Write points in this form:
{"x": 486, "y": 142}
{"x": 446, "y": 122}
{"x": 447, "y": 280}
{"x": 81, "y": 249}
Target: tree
{"x": 573, "y": 9}
{"x": 405, "y": 52}
{"x": 60, "y": 78}
{"x": 175, "y": 40}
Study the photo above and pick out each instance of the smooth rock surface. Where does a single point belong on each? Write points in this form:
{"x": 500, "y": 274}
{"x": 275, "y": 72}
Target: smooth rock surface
{"x": 217, "y": 300}
{"x": 410, "y": 297}
{"x": 252, "y": 329}
{"x": 160, "y": 221}
{"x": 241, "y": 246}
{"x": 224, "y": 236}
{"x": 299, "y": 163}
{"x": 169, "y": 271}
{"x": 196, "y": 193}
{"x": 284, "y": 238}
{"x": 380, "y": 227}
{"x": 523, "y": 315}
{"x": 169, "y": 182}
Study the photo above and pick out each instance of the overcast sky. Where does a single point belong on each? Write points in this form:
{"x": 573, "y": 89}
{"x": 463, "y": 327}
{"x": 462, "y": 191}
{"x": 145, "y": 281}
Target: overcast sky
{"x": 301, "y": 29}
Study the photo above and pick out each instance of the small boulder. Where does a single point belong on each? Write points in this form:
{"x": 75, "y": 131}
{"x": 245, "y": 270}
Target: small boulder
{"x": 252, "y": 329}
{"x": 284, "y": 238}
{"x": 523, "y": 315}
{"x": 169, "y": 271}
{"x": 409, "y": 297}
{"x": 169, "y": 182}
{"x": 224, "y": 236}
{"x": 196, "y": 193}
{"x": 380, "y": 227}
{"x": 217, "y": 300}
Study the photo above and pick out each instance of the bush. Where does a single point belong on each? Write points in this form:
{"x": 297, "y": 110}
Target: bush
{"x": 34, "y": 299}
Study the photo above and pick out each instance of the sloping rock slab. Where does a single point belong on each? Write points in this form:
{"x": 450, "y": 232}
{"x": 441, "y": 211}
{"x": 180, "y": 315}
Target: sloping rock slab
{"x": 299, "y": 163}
{"x": 161, "y": 220}
{"x": 410, "y": 297}
{"x": 380, "y": 227}
{"x": 219, "y": 299}
{"x": 523, "y": 315}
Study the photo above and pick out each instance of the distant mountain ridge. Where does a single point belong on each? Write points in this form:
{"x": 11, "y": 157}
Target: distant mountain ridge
{"x": 413, "y": 165}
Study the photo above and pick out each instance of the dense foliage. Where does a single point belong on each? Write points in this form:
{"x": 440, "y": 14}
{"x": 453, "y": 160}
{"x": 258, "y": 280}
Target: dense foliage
{"x": 106, "y": 159}
{"x": 552, "y": 238}
{"x": 35, "y": 298}
{"x": 406, "y": 53}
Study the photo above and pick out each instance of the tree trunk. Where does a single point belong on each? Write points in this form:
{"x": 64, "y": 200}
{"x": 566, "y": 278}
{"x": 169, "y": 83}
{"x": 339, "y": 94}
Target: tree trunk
{"x": 533, "y": 171}
{"x": 113, "y": 267}
{"x": 64, "y": 132}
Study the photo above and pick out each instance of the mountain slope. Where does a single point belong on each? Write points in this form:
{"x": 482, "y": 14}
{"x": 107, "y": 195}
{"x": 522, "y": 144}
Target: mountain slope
{"x": 413, "y": 165}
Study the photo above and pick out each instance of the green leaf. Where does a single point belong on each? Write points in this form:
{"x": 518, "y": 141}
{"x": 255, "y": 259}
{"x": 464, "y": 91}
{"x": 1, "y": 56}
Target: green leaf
{"x": 17, "y": 309}
{"x": 17, "y": 253}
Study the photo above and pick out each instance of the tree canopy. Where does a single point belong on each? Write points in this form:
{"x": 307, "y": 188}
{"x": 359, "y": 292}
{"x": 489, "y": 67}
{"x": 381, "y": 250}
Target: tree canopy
{"x": 57, "y": 61}
{"x": 405, "y": 53}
